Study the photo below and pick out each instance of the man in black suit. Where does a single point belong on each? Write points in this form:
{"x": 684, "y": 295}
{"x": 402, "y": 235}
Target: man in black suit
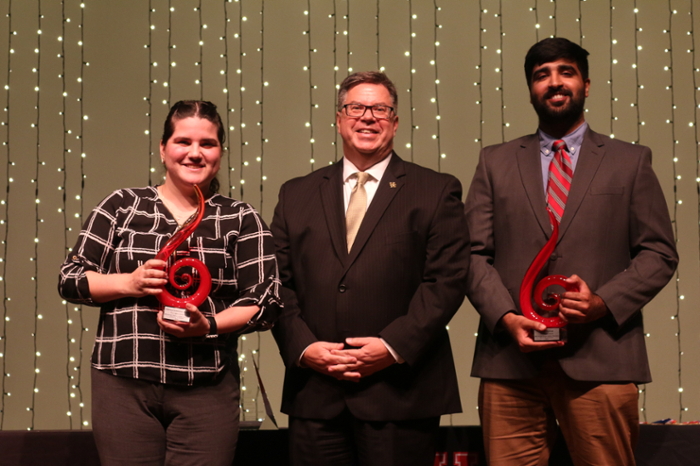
{"x": 373, "y": 256}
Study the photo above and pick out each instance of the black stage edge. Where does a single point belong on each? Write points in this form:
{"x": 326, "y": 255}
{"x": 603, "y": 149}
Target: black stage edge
{"x": 663, "y": 445}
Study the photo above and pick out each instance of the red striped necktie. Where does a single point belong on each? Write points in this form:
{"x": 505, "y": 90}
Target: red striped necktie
{"x": 560, "y": 174}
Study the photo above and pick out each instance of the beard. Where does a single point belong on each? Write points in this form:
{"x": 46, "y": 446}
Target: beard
{"x": 565, "y": 114}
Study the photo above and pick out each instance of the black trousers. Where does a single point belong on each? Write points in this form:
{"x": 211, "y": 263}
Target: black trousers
{"x": 347, "y": 441}
{"x": 144, "y": 423}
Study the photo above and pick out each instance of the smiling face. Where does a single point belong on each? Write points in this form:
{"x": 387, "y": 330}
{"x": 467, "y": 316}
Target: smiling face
{"x": 367, "y": 140}
{"x": 192, "y": 154}
{"x": 558, "y": 93}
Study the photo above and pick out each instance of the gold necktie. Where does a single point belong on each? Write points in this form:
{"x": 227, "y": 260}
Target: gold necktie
{"x": 356, "y": 207}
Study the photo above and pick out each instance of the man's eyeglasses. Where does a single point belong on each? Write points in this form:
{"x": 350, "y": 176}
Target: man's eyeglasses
{"x": 380, "y": 112}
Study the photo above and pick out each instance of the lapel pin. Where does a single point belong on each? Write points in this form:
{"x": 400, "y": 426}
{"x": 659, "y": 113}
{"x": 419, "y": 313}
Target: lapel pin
{"x": 392, "y": 184}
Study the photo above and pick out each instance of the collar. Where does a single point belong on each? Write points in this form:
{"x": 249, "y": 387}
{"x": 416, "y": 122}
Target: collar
{"x": 573, "y": 140}
{"x": 377, "y": 170}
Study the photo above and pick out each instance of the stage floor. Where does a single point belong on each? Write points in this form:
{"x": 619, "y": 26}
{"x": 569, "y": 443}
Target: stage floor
{"x": 659, "y": 445}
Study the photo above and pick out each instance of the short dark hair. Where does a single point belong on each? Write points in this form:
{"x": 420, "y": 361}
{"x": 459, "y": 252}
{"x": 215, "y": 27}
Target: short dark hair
{"x": 553, "y": 49}
{"x": 367, "y": 77}
{"x": 200, "y": 109}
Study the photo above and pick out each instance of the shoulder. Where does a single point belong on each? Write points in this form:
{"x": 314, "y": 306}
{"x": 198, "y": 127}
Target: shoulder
{"x": 428, "y": 175}
{"x": 615, "y": 147}
{"x": 147, "y": 192}
{"x": 602, "y": 139}
{"x": 317, "y": 175}
{"x": 232, "y": 217}
{"x": 229, "y": 205}
{"x": 220, "y": 200}
{"x": 509, "y": 147}
{"x": 129, "y": 196}
{"x": 424, "y": 184}
{"x": 312, "y": 180}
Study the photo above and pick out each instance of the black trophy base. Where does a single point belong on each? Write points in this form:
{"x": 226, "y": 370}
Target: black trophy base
{"x": 551, "y": 334}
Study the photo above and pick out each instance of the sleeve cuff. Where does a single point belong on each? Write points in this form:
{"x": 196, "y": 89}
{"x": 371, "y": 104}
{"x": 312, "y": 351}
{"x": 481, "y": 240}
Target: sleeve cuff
{"x": 391, "y": 350}
{"x": 301, "y": 356}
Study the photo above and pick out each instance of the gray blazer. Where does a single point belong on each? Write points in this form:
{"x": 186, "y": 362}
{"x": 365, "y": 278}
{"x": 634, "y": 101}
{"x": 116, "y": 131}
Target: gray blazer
{"x": 615, "y": 234}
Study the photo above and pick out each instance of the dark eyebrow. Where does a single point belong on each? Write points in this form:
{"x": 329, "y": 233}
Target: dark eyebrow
{"x": 203, "y": 141}
{"x": 546, "y": 68}
{"x": 380, "y": 104}
{"x": 567, "y": 67}
{"x": 540, "y": 69}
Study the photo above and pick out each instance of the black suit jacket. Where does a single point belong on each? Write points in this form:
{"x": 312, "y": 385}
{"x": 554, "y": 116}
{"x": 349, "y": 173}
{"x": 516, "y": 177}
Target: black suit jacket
{"x": 403, "y": 281}
{"x": 615, "y": 234}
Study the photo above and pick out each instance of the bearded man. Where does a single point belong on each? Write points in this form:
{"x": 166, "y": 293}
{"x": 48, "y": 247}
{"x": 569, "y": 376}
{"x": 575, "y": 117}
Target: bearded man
{"x": 615, "y": 246}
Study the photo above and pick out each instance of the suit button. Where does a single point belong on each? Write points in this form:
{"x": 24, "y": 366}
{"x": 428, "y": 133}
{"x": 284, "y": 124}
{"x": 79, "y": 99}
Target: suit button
{"x": 553, "y": 257}
{"x": 342, "y": 288}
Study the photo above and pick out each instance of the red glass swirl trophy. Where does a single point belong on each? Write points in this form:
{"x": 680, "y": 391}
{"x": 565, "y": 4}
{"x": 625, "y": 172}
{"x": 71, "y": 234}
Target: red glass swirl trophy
{"x": 174, "y": 307}
{"x": 547, "y": 306}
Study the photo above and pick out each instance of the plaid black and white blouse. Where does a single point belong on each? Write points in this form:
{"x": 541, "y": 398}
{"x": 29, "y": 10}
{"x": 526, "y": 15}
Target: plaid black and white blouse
{"x": 128, "y": 228}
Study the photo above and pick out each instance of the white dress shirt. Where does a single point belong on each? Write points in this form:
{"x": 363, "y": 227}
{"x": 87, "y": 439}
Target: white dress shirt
{"x": 349, "y": 181}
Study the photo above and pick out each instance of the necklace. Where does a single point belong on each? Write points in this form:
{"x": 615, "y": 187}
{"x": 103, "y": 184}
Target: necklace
{"x": 181, "y": 217}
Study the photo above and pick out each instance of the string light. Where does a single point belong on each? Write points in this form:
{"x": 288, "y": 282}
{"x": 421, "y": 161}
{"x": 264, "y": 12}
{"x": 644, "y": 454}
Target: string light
{"x": 479, "y": 85}
{"x": 579, "y": 19}
{"x": 171, "y": 63}
{"x": 263, "y": 140}
{"x": 694, "y": 123}
{"x": 676, "y": 200}
{"x": 635, "y": 65}
{"x": 348, "y": 51}
{"x": 241, "y": 124}
{"x": 37, "y": 219}
{"x": 308, "y": 69}
{"x": 79, "y": 309}
{"x": 643, "y": 387}
{"x": 613, "y": 61}
{"x": 480, "y": 67}
{"x": 8, "y": 170}
{"x": 436, "y": 99}
{"x": 200, "y": 63}
{"x": 409, "y": 54}
{"x": 62, "y": 187}
{"x": 334, "y": 16}
{"x": 149, "y": 98}
{"x": 376, "y": 27}
{"x": 229, "y": 110}
{"x": 261, "y": 103}
{"x": 241, "y": 146}
{"x": 244, "y": 341}
{"x": 499, "y": 71}
{"x": 78, "y": 369}
{"x": 537, "y": 21}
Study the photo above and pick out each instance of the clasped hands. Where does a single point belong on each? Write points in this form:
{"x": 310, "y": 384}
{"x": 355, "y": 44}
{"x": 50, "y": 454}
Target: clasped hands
{"x": 366, "y": 356}
{"x": 576, "y": 307}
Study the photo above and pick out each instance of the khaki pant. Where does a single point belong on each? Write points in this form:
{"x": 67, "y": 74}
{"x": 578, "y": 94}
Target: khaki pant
{"x": 600, "y": 422}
